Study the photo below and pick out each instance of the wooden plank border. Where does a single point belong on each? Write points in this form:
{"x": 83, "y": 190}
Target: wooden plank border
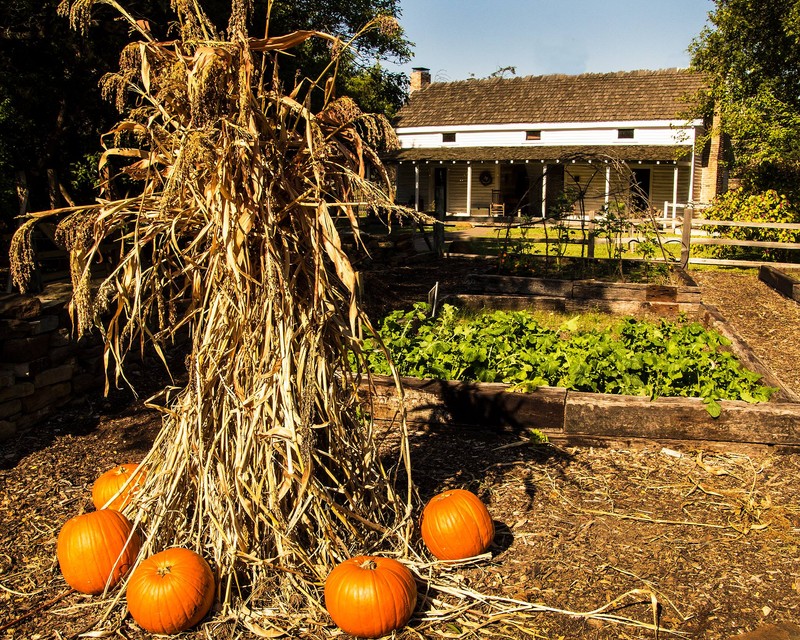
{"x": 493, "y": 407}
{"x": 780, "y": 281}
{"x": 591, "y": 414}
{"x": 432, "y": 405}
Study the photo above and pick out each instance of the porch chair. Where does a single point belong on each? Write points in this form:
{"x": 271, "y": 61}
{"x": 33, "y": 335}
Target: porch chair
{"x": 497, "y": 207}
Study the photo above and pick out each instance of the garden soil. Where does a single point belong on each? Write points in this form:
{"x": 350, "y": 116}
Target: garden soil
{"x": 705, "y": 540}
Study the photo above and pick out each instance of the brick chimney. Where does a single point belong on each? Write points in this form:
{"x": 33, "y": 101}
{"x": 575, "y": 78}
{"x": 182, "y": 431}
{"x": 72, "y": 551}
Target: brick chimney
{"x": 420, "y": 78}
{"x": 713, "y": 180}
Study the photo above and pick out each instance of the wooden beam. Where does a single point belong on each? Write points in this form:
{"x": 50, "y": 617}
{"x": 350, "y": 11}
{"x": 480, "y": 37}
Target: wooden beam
{"x": 485, "y": 406}
{"x": 701, "y": 222}
{"x": 780, "y": 281}
{"x": 747, "y": 243}
{"x": 592, "y": 414}
{"x": 494, "y": 408}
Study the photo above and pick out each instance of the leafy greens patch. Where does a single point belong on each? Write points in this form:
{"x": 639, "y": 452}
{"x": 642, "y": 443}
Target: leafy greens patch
{"x": 632, "y": 357}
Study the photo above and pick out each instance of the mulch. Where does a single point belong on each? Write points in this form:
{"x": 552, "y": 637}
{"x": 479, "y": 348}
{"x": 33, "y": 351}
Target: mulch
{"x": 710, "y": 535}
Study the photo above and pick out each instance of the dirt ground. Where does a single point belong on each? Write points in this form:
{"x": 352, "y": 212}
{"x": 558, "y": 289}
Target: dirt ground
{"x": 711, "y": 537}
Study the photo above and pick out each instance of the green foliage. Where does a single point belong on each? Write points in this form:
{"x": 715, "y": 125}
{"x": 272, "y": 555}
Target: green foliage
{"x": 360, "y": 75}
{"x": 740, "y": 206}
{"x": 751, "y": 56}
{"x": 376, "y": 90}
{"x": 612, "y": 225}
{"x": 559, "y": 211}
{"x": 633, "y": 357}
{"x": 83, "y": 175}
{"x": 51, "y": 111}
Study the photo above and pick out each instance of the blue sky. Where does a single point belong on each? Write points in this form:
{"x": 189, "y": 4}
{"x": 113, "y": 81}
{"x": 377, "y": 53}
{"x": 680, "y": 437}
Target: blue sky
{"x": 457, "y": 39}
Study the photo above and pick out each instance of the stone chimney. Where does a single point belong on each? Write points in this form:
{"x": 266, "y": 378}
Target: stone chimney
{"x": 420, "y": 78}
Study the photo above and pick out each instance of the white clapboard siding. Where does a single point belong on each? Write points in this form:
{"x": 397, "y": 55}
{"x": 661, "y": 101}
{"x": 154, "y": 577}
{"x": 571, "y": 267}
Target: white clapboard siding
{"x": 567, "y": 134}
{"x": 405, "y": 185}
{"x": 456, "y": 188}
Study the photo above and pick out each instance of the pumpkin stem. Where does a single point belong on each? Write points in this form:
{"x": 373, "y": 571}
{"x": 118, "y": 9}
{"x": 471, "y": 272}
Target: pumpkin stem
{"x": 164, "y": 570}
{"x": 369, "y": 564}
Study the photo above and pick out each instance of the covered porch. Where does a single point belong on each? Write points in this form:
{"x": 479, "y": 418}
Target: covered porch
{"x": 491, "y": 182}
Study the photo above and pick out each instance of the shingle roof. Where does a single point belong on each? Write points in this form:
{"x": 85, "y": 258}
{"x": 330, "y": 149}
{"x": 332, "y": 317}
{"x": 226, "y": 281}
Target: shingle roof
{"x": 665, "y": 153}
{"x": 590, "y": 97}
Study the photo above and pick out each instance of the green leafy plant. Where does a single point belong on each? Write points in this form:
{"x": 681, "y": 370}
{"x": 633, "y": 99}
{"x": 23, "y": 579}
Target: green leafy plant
{"x": 610, "y": 225}
{"x": 558, "y": 213}
{"x": 738, "y": 205}
{"x": 630, "y": 357}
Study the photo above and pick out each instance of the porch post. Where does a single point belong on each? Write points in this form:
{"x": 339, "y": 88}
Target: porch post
{"x": 608, "y": 184}
{"x": 469, "y": 189}
{"x": 674, "y": 195}
{"x": 691, "y": 178}
{"x": 544, "y": 191}
{"x": 416, "y": 187}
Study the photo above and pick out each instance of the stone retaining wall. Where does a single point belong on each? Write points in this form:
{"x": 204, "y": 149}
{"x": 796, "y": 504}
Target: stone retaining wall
{"x": 42, "y": 366}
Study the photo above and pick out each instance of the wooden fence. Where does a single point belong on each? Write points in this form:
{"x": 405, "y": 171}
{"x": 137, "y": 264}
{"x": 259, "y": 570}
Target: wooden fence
{"x": 694, "y": 234}
{"x": 691, "y": 227}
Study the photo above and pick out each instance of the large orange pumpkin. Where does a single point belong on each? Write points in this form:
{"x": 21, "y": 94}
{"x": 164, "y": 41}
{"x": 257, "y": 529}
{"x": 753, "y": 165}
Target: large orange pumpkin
{"x": 171, "y": 591}
{"x": 95, "y": 549}
{"x": 456, "y": 524}
{"x": 109, "y": 484}
{"x": 370, "y": 596}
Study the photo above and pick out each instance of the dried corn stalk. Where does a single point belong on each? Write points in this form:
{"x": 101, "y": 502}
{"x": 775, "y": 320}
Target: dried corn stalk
{"x": 265, "y": 463}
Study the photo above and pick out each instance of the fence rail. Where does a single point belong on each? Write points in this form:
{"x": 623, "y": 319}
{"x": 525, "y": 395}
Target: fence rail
{"x": 693, "y": 231}
{"x": 690, "y": 225}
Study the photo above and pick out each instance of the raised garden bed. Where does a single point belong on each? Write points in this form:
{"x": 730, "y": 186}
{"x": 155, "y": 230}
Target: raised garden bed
{"x": 579, "y": 416}
{"x": 783, "y": 281}
{"x": 681, "y": 295}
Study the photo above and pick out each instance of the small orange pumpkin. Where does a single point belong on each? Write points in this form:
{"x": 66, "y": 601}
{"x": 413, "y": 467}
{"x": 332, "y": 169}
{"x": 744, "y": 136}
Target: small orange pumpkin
{"x": 456, "y": 524}
{"x": 109, "y": 484}
{"x": 95, "y": 549}
{"x": 370, "y": 596}
{"x": 171, "y": 591}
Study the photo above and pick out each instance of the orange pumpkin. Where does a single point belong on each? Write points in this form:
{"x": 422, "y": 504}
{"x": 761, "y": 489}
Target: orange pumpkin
{"x": 370, "y": 596}
{"x": 456, "y": 524}
{"x": 96, "y": 549}
{"x": 171, "y": 591}
{"x": 109, "y": 484}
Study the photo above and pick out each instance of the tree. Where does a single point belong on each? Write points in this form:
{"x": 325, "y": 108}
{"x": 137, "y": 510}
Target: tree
{"x": 52, "y": 115}
{"x": 751, "y": 55}
{"x": 359, "y": 73}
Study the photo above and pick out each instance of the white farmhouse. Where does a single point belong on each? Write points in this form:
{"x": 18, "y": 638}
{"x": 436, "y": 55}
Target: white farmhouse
{"x": 511, "y": 146}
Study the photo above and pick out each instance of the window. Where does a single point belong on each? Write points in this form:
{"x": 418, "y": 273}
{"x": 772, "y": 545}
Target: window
{"x": 625, "y": 134}
{"x": 533, "y": 135}
{"x": 448, "y": 137}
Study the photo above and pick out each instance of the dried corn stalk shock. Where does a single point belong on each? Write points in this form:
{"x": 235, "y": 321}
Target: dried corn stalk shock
{"x": 266, "y": 464}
